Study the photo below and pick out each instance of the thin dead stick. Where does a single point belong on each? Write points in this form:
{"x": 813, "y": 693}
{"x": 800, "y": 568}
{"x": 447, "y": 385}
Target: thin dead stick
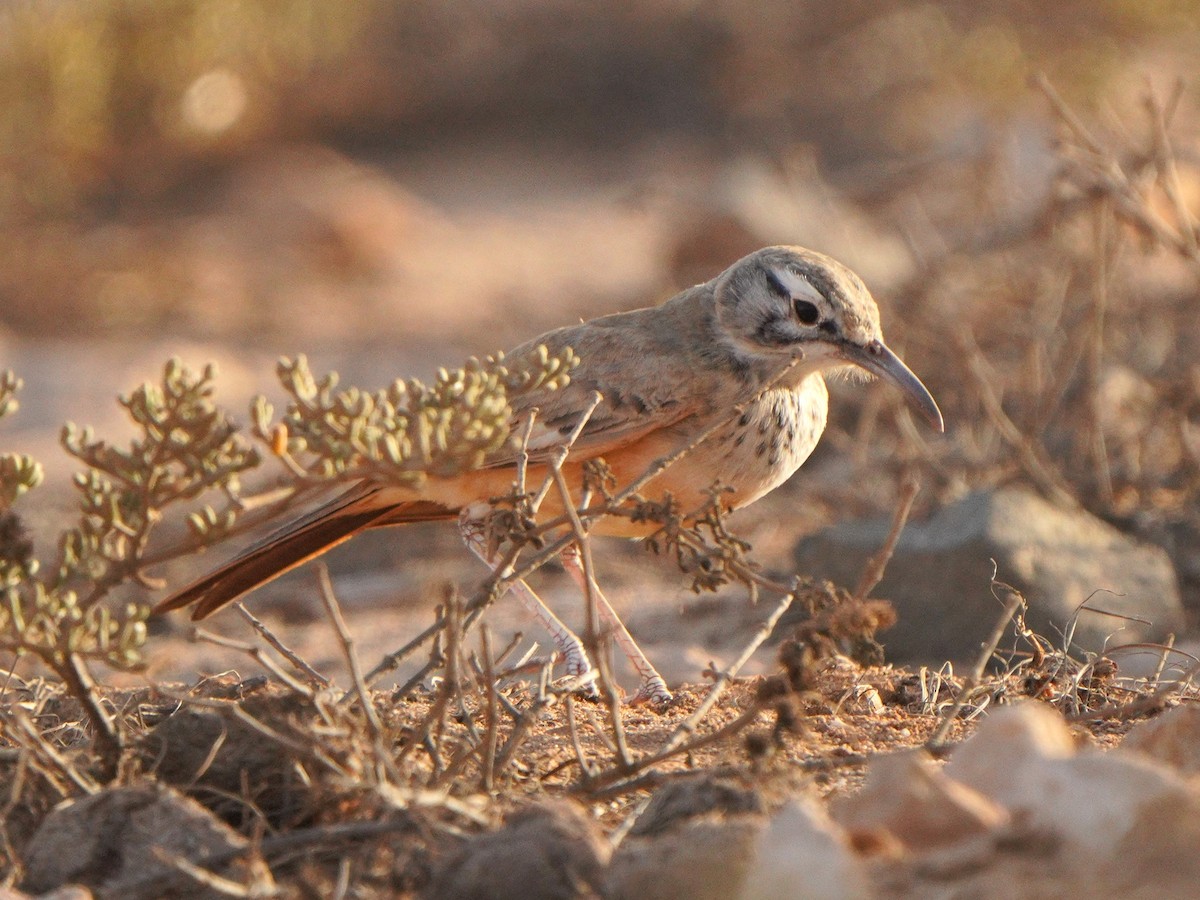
{"x": 383, "y": 761}
{"x": 1039, "y": 469}
{"x": 28, "y": 734}
{"x": 313, "y": 676}
{"x": 1165, "y": 161}
{"x": 523, "y": 453}
{"x": 392, "y": 661}
{"x": 1014, "y": 602}
{"x": 877, "y": 564}
{"x": 585, "y": 557}
{"x": 1095, "y": 366}
{"x": 510, "y": 648}
{"x": 725, "y": 678}
{"x": 598, "y": 730}
{"x": 585, "y": 767}
{"x": 255, "y": 653}
{"x": 561, "y": 452}
{"x": 1064, "y": 112}
{"x": 1168, "y": 646}
{"x": 1143, "y": 704}
{"x": 217, "y": 884}
{"x": 492, "y": 737}
{"x": 434, "y": 719}
{"x": 612, "y": 700}
{"x": 435, "y": 661}
{"x": 107, "y": 737}
{"x": 613, "y": 780}
{"x": 524, "y": 722}
{"x": 346, "y": 642}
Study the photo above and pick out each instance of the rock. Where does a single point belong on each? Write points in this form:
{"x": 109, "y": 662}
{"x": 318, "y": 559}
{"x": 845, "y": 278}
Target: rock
{"x": 1028, "y": 730}
{"x": 695, "y": 839}
{"x": 195, "y": 747}
{"x": 939, "y": 577}
{"x": 1172, "y": 738}
{"x": 801, "y": 855}
{"x": 908, "y": 796}
{"x": 1092, "y": 802}
{"x": 115, "y": 842}
{"x": 694, "y": 797}
{"x": 547, "y": 852}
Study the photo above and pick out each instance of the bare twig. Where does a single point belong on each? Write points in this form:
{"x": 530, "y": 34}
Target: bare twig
{"x": 82, "y": 686}
{"x": 1164, "y": 160}
{"x": 1033, "y": 459}
{"x": 30, "y": 736}
{"x": 492, "y": 735}
{"x": 562, "y": 450}
{"x": 725, "y": 678}
{"x": 1143, "y": 703}
{"x": 585, "y": 768}
{"x": 877, "y": 564}
{"x": 392, "y": 661}
{"x": 312, "y": 675}
{"x": 612, "y": 700}
{"x": 255, "y": 653}
{"x": 346, "y": 642}
{"x": 618, "y": 781}
{"x": 209, "y": 879}
{"x": 1013, "y": 603}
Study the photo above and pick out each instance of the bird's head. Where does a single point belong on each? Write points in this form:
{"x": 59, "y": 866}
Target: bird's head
{"x": 784, "y": 303}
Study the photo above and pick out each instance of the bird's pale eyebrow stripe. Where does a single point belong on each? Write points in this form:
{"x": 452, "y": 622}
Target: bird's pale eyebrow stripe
{"x": 798, "y": 285}
{"x": 777, "y": 285}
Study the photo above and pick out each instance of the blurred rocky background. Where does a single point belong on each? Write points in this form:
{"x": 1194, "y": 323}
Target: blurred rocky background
{"x": 391, "y": 186}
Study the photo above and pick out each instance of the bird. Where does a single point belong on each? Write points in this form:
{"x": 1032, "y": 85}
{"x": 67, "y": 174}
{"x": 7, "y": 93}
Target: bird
{"x": 739, "y": 361}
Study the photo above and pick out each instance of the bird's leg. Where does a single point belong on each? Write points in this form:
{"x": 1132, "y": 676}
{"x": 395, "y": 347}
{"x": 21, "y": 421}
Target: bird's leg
{"x": 653, "y": 689}
{"x": 567, "y": 642}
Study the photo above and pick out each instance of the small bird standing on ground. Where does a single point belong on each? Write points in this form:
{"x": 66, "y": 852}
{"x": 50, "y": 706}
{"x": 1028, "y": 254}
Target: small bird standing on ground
{"x": 665, "y": 375}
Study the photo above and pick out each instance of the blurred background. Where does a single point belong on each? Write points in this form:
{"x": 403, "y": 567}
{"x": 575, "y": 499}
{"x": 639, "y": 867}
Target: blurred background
{"x": 392, "y": 186}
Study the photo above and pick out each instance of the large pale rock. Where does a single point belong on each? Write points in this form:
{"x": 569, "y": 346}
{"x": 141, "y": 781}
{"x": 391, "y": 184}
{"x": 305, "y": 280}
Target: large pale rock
{"x": 939, "y": 577}
{"x": 120, "y": 842}
{"x": 802, "y": 855}
{"x": 1093, "y": 802}
{"x": 909, "y": 797}
{"x": 1172, "y": 738}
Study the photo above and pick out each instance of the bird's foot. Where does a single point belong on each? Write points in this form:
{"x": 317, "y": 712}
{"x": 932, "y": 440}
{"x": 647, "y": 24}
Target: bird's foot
{"x": 653, "y": 691}
{"x": 580, "y": 669}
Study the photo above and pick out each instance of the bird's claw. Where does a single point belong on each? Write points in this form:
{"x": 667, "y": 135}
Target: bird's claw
{"x": 653, "y": 691}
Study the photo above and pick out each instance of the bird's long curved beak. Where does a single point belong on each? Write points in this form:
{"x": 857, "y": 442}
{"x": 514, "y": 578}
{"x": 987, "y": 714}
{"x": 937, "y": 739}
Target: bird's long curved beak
{"x": 877, "y": 359}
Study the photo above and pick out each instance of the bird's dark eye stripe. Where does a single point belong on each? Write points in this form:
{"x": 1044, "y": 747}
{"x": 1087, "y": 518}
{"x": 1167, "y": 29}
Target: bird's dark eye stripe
{"x": 806, "y": 312}
{"x": 777, "y": 286}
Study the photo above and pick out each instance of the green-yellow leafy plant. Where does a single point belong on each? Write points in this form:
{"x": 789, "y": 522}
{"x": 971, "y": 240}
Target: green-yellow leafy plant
{"x": 187, "y": 449}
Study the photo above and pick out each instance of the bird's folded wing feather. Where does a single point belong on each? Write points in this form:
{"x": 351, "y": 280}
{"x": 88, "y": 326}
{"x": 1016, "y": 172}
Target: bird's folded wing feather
{"x": 632, "y": 404}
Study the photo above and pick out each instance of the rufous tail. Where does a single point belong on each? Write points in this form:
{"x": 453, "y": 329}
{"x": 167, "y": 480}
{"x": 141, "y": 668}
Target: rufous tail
{"x": 295, "y": 544}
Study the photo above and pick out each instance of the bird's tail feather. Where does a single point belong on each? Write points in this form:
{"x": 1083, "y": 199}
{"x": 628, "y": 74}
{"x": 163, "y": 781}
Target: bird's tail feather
{"x": 296, "y": 543}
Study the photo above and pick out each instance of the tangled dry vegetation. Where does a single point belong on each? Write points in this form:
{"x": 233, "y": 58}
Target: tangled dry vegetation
{"x": 317, "y": 783}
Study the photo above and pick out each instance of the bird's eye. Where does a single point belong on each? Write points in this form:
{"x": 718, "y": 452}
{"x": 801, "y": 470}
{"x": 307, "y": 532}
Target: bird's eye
{"x": 806, "y": 312}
